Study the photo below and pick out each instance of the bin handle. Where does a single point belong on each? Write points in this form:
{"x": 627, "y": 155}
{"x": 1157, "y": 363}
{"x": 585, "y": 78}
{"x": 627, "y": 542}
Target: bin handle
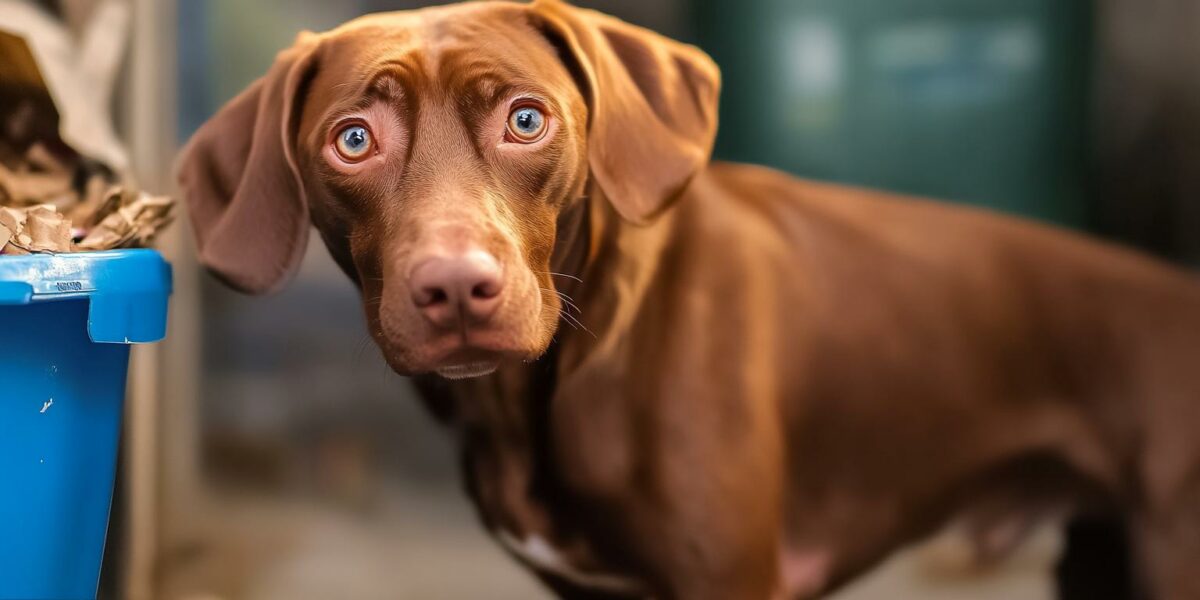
{"x": 15, "y": 292}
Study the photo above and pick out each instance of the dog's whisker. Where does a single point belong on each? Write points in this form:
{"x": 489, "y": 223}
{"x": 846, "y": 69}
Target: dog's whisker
{"x": 572, "y": 320}
{"x": 565, "y": 299}
{"x": 563, "y": 314}
{"x": 588, "y": 331}
{"x": 566, "y": 318}
{"x": 576, "y": 323}
{"x": 363, "y": 344}
{"x": 562, "y": 294}
{"x": 556, "y": 274}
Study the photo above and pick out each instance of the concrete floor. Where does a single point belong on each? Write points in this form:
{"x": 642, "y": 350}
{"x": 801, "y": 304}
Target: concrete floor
{"x": 422, "y": 545}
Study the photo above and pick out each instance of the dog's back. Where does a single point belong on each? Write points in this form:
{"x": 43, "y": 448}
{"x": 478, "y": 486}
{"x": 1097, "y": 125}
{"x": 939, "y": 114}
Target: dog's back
{"x": 940, "y": 356}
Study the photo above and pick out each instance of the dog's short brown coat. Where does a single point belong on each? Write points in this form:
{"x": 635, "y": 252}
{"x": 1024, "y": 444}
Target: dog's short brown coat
{"x": 765, "y": 385}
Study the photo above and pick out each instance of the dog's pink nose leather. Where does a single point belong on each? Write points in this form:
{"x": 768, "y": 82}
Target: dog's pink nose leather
{"x": 452, "y": 291}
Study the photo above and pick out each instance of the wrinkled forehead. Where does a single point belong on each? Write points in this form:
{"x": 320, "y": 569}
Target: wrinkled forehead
{"x": 473, "y": 54}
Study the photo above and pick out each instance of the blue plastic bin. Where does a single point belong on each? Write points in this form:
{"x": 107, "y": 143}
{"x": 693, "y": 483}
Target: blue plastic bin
{"x": 66, "y": 322}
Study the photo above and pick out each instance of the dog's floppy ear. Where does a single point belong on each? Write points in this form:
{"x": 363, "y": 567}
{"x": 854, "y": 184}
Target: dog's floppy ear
{"x": 652, "y": 103}
{"x": 239, "y": 178}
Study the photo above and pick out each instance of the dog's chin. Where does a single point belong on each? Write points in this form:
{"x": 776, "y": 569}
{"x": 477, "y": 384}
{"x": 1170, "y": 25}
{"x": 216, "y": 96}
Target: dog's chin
{"x": 411, "y": 350}
{"x": 468, "y": 370}
{"x": 454, "y": 361}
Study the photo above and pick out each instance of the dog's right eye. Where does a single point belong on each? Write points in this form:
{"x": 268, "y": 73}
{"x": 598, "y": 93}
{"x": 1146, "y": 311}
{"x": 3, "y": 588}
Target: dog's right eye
{"x": 353, "y": 143}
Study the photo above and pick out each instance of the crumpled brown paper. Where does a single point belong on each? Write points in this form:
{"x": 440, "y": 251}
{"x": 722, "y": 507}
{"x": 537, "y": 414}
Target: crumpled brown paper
{"x": 37, "y": 229}
{"x": 125, "y": 219}
{"x": 64, "y": 183}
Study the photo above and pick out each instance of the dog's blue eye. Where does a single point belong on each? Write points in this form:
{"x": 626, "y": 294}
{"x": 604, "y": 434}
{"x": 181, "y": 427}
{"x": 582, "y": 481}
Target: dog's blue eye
{"x": 527, "y": 124}
{"x": 354, "y": 143}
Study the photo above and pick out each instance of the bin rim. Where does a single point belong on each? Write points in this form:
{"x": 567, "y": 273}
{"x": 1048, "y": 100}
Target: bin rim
{"x": 127, "y": 289}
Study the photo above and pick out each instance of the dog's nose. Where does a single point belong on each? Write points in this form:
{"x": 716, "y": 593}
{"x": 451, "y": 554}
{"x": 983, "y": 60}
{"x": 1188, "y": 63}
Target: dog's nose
{"x": 451, "y": 290}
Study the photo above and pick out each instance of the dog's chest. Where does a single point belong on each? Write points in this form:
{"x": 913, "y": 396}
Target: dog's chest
{"x": 538, "y": 527}
{"x": 513, "y": 476}
{"x": 534, "y": 531}
{"x": 540, "y": 555}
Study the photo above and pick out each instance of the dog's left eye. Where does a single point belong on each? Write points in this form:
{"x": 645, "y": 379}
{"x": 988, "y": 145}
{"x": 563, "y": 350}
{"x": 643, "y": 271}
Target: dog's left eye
{"x": 526, "y": 124}
{"x": 353, "y": 143}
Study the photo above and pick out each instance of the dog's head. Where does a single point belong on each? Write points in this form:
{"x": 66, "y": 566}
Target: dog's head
{"x": 434, "y": 151}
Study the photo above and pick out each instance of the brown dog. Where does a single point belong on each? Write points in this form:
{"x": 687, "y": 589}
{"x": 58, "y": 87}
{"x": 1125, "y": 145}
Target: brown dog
{"x": 764, "y": 385}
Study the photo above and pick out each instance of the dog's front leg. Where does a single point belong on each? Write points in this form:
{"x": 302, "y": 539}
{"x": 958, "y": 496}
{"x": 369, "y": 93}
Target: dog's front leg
{"x": 1168, "y": 545}
{"x": 706, "y": 559}
{"x": 700, "y": 522}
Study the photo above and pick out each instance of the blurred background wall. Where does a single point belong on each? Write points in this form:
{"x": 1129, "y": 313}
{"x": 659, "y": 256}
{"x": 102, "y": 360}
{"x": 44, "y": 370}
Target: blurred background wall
{"x": 278, "y": 458}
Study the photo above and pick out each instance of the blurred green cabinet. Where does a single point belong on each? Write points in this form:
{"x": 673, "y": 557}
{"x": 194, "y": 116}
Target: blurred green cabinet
{"x": 980, "y": 101}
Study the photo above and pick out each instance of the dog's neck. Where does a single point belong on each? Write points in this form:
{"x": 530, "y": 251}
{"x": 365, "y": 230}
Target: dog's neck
{"x": 503, "y": 420}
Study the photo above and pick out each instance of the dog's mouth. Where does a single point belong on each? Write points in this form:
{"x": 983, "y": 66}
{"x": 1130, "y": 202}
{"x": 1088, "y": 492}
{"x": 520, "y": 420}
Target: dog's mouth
{"x": 467, "y": 361}
{"x": 455, "y": 356}
{"x": 468, "y": 370}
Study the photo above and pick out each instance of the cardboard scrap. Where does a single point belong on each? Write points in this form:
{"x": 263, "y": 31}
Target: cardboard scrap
{"x": 37, "y": 229}
{"x": 128, "y": 219}
{"x": 64, "y": 181}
